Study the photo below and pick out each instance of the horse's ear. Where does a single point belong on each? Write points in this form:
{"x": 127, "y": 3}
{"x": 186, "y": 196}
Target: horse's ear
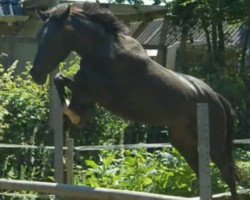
{"x": 42, "y": 14}
{"x": 65, "y": 14}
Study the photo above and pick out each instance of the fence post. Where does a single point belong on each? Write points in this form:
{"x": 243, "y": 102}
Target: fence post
{"x": 70, "y": 160}
{"x": 56, "y": 125}
{"x": 204, "y": 151}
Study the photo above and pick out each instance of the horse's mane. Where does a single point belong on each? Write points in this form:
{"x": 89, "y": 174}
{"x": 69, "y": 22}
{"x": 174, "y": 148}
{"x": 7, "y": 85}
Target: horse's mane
{"x": 94, "y": 13}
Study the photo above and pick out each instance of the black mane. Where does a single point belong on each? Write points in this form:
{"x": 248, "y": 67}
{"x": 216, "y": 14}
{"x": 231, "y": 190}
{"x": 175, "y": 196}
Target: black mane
{"x": 94, "y": 13}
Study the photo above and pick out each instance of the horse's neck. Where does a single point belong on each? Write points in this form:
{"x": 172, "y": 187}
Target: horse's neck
{"x": 92, "y": 42}
{"x": 96, "y": 51}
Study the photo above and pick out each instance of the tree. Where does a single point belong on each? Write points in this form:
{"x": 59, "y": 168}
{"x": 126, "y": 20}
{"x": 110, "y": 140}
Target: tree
{"x": 211, "y": 15}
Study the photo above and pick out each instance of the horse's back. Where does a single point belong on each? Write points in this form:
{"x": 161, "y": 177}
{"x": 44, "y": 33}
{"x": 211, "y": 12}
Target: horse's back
{"x": 142, "y": 90}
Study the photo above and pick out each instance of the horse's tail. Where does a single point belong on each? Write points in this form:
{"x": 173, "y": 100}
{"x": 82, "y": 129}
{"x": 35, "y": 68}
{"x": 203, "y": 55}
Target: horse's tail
{"x": 230, "y": 126}
{"x": 229, "y": 122}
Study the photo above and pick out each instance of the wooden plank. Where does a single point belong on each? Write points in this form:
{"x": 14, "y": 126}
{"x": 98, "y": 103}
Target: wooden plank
{"x": 90, "y": 148}
{"x": 81, "y": 192}
{"x": 204, "y": 151}
{"x": 242, "y": 141}
{"x": 101, "y": 147}
{"x": 70, "y": 160}
{"x": 56, "y": 125}
{"x": 126, "y": 146}
{"x": 162, "y": 55}
{"x": 243, "y": 194}
{"x": 13, "y": 18}
{"x": 25, "y": 196}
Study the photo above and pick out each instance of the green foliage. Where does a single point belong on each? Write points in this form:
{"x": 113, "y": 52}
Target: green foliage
{"x": 23, "y": 120}
{"x": 163, "y": 172}
{"x": 231, "y": 84}
{"x": 24, "y": 107}
{"x": 244, "y": 173}
{"x": 243, "y": 167}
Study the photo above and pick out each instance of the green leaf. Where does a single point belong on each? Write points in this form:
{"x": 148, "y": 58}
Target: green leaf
{"x": 92, "y": 164}
{"x": 147, "y": 181}
{"x": 130, "y": 161}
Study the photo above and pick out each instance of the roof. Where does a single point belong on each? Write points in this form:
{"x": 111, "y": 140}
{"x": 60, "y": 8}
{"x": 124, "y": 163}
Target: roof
{"x": 150, "y": 34}
{"x": 125, "y": 12}
{"x": 151, "y": 31}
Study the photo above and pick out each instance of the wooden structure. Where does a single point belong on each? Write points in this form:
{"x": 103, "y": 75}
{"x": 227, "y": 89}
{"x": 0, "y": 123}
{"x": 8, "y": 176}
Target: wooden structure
{"x": 204, "y": 151}
{"x": 17, "y": 35}
{"x": 244, "y": 193}
{"x": 81, "y": 192}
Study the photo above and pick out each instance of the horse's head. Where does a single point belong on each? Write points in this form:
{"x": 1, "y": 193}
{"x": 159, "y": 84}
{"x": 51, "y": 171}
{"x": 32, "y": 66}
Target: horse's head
{"x": 53, "y": 44}
{"x": 84, "y": 29}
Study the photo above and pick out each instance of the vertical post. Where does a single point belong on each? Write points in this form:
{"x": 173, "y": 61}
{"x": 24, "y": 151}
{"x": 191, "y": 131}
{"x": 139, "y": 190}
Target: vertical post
{"x": 204, "y": 151}
{"x": 56, "y": 122}
{"x": 11, "y": 8}
{"x": 56, "y": 125}
{"x": 70, "y": 160}
{"x": 161, "y": 56}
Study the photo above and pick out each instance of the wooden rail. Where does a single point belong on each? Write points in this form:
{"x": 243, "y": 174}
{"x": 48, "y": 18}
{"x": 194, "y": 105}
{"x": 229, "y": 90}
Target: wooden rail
{"x": 81, "y": 192}
{"x": 108, "y": 147}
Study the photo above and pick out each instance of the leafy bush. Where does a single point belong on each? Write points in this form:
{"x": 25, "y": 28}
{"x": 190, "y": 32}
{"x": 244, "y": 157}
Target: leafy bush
{"x": 163, "y": 172}
{"x": 23, "y": 120}
{"x": 233, "y": 85}
{"x": 24, "y": 108}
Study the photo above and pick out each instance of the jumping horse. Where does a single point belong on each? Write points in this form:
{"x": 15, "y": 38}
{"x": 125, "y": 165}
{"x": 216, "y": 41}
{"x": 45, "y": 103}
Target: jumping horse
{"x": 116, "y": 73}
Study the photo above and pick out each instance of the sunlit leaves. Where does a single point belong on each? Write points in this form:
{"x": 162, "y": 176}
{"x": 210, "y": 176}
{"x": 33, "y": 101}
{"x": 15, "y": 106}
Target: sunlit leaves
{"x": 138, "y": 170}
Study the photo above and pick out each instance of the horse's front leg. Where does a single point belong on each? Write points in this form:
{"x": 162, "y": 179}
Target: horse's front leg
{"x": 61, "y": 82}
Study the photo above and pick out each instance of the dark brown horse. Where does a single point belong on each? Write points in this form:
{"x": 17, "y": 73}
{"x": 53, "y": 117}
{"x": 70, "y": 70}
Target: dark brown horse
{"x": 117, "y": 74}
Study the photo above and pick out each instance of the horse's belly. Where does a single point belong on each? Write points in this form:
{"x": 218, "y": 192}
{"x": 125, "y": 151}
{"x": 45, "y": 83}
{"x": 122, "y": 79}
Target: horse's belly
{"x": 154, "y": 111}
{"x": 149, "y": 99}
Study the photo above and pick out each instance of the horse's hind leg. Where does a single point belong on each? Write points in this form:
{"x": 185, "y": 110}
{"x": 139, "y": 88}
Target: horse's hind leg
{"x": 221, "y": 150}
{"x": 182, "y": 138}
{"x": 225, "y": 164}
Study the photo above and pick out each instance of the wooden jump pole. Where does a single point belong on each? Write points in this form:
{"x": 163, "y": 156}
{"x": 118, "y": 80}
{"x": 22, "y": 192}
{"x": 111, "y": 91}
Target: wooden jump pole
{"x": 204, "y": 151}
{"x": 81, "y": 192}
